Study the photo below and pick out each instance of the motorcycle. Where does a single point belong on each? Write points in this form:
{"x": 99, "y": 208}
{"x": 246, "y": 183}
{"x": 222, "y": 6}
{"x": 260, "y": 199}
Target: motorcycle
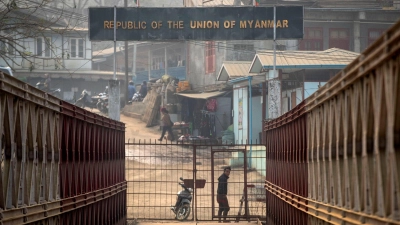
{"x": 137, "y": 97}
{"x": 86, "y": 100}
{"x": 102, "y": 104}
{"x": 55, "y": 92}
{"x": 183, "y": 201}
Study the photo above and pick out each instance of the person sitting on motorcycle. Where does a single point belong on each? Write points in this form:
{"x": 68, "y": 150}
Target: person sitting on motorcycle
{"x": 143, "y": 89}
{"x": 87, "y": 97}
{"x": 131, "y": 90}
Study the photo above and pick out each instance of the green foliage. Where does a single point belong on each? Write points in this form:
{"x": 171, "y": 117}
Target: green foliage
{"x": 26, "y": 53}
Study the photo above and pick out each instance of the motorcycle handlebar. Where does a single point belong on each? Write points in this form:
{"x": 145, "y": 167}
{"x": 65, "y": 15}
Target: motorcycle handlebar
{"x": 182, "y": 185}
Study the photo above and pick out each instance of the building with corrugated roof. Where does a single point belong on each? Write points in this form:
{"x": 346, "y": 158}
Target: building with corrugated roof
{"x": 349, "y": 25}
{"x": 301, "y": 73}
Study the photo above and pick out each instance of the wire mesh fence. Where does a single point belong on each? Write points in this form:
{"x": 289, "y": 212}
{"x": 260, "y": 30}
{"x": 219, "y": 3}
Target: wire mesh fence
{"x": 153, "y": 171}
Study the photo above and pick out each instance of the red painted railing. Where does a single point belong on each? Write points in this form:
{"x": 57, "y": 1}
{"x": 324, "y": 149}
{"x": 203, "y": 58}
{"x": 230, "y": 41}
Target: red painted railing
{"x": 59, "y": 164}
{"x": 335, "y": 157}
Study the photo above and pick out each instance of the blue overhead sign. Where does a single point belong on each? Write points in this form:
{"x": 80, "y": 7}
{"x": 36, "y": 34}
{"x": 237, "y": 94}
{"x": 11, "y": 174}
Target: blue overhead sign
{"x": 216, "y": 23}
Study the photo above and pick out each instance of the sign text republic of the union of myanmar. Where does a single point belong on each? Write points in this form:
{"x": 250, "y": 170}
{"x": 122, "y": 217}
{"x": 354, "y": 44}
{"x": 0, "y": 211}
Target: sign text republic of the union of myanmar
{"x": 221, "y": 23}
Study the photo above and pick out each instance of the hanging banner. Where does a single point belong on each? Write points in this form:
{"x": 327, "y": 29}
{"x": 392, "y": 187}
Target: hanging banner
{"x": 216, "y": 23}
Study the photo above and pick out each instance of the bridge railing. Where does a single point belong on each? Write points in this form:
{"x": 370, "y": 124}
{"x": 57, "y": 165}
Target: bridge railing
{"x": 59, "y": 164}
{"x": 335, "y": 158}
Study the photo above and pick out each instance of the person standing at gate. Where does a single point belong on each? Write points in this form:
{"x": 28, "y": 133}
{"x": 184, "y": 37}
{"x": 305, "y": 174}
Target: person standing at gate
{"x": 166, "y": 124}
{"x": 222, "y": 192}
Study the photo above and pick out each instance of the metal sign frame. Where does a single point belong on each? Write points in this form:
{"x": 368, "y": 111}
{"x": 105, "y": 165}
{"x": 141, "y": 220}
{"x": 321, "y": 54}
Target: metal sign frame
{"x": 214, "y": 23}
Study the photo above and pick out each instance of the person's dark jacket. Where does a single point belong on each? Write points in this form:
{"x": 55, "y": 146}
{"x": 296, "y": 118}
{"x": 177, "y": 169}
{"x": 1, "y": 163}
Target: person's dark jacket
{"x": 143, "y": 90}
{"x": 223, "y": 184}
{"x": 131, "y": 91}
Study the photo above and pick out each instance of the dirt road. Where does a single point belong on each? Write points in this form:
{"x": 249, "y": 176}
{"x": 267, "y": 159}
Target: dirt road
{"x": 136, "y": 129}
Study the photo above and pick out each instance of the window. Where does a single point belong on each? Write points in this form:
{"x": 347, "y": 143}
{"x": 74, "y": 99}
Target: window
{"x": 175, "y": 59}
{"x": 76, "y": 47}
{"x": 338, "y": 34}
{"x": 157, "y": 63}
{"x": 374, "y": 34}
{"x": 43, "y": 47}
{"x": 210, "y": 56}
{"x": 243, "y": 52}
{"x": 7, "y": 47}
{"x": 339, "y": 38}
{"x": 313, "y": 39}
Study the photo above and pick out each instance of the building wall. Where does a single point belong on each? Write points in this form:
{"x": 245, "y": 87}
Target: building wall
{"x": 161, "y": 3}
{"x": 287, "y": 101}
{"x": 57, "y": 60}
{"x": 232, "y": 54}
{"x": 256, "y": 119}
{"x": 357, "y": 21}
{"x": 143, "y": 65}
{"x": 111, "y": 3}
{"x": 196, "y": 72}
{"x": 240, "y": 113}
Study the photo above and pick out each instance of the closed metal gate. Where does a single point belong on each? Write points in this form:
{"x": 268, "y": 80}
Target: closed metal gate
{"x": 153, "y": 171}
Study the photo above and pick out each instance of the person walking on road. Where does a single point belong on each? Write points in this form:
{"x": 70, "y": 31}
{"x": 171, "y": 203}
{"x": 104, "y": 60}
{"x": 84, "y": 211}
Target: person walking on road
{"x": 131, "y": 90}
{"x": 166, "y": 124}
{"x": 222, "y": 192}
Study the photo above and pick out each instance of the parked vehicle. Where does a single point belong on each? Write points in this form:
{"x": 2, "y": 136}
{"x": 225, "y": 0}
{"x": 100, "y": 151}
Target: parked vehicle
{"x": 55, "y": 92}
{"x": 102, "y": 104}
{"x": 7, "y": 70}
{"x": 86, "y": 100}
{"x": 182, "y": 206}
{"x": 137, "y": 97}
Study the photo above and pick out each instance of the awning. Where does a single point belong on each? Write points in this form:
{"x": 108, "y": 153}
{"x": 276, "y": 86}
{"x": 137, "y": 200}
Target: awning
{"x": 204, "y": 95}
{"x": 98, "y": 60}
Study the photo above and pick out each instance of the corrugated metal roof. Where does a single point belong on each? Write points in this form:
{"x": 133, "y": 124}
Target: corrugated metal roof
{"x": 333, "y": 58}
{"x": 204, "y": 95}
{"x": 110, "y": 51}
{"x": 237, "y": 68}
{"x": 234, "y": 69}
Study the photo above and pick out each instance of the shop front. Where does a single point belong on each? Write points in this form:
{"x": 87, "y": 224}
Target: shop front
{"x": 205, "y": 114}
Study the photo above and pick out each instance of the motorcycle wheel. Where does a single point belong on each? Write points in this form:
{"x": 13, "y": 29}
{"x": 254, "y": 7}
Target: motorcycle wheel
{"x": 183, "y": 212}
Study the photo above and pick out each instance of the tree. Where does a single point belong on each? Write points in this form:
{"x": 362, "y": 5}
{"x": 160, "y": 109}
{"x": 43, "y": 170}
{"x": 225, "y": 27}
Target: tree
{"x": 25, "y": 23}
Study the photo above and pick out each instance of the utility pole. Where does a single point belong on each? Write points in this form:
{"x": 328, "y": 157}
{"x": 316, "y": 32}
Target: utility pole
{"x": 135, "y": 51}
{"x": 126, "y": 65}
{"x": 114, "y": 85}
{"x": 274, "y": 84}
